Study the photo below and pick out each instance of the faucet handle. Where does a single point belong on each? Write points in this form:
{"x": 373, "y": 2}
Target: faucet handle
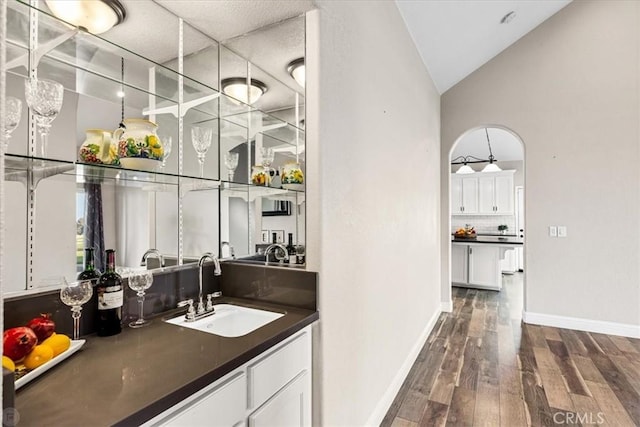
{"x": 191, "y": 312}
{"x": 209, "y": 302}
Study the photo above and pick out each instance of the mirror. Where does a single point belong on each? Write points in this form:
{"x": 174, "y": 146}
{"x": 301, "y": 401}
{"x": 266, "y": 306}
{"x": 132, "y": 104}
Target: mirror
{"x": 138, "y": 210}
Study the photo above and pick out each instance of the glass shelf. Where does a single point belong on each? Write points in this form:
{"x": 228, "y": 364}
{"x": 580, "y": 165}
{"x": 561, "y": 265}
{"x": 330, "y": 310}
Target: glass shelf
{"x": 18, "y": 168}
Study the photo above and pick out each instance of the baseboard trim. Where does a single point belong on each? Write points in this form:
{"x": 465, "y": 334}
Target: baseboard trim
{"x": 446, "y": 307}
{"x": 387, "y": 399}
{"x": 597, "y": 326}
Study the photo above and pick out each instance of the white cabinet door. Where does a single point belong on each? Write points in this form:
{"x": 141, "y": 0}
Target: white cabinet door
{"x": 486, "y": 195}
{"x": 504, "y": 194}
{"x": 459, "y": 263}
{"x": 484, "y": 266}
{"x": 221, "y": 404}
{"x": 290, "y": 407}
{"x": 469, "y": 195}
{"x": 456, "y": 195}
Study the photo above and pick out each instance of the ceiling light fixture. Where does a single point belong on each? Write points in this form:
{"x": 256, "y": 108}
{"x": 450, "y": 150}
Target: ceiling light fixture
{"x": 94, "y": 16}
{"x": 463, "y": 160}
{"x": 237, "y": 87}
{"x": 297, "y": 70}
{"x": 508, "y": 17}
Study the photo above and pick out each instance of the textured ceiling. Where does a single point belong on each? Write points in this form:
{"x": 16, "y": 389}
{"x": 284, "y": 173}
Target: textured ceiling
{"x": 456, "y": 37}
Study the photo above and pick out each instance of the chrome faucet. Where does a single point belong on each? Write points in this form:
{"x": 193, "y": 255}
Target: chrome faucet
{"x": 276, "y": 246}
{"x": 232, "y": 252}
{"x": 216, "y": 272}
{"x": 149, "y": 252}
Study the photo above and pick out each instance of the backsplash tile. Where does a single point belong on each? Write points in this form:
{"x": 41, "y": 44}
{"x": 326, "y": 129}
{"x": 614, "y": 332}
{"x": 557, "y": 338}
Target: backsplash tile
{"x": 484, "y": 224}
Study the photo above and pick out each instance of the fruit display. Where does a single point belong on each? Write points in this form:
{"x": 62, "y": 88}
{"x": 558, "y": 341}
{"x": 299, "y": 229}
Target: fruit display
{"x": 25, "y": 348}
{"x": 467, "y": 232}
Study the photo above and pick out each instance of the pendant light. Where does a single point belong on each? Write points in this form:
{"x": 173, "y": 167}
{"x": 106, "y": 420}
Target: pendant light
{"x": 465, "y": 168}
{"x": 491, "y": 167}
{"x": 94, "y": 16}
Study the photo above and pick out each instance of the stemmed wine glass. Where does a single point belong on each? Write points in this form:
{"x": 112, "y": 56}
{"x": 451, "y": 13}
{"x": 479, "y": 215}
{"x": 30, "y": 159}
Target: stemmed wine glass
{"x": 12, "y": 119}
{"x": 231, "y": 162}
{"x": 140, "y": 282}
{"x": 75, "y": 294}
{"x": 267, "y": 159}
{"x": 44, "y": 98}
{"x": 201, "y": 140}
{"x": 166, "y": 145}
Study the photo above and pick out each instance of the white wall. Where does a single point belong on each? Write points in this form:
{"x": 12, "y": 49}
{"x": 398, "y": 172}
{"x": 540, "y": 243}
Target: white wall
{"x": 570, "y": 90}
{"x": 373, "y": 219}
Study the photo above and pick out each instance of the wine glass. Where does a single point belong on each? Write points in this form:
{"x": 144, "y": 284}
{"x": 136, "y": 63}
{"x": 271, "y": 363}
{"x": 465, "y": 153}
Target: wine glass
{"x": 267, "y": 159}
{"x": 75, "y": 294}
{"x": 231, "y": 162}
{"x": 201, "y": 140}
{"x": 166, "y": 144}
{"x": 12, "y": 118}
{"x": 140, "y": 282}
{"x": 44, "y": 98}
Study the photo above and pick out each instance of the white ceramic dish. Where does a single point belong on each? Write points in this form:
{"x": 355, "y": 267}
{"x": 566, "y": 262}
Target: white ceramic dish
{"x": 75, "y": 346}
{"x": 140, "y": 163}
{"x": 298, "y": 187}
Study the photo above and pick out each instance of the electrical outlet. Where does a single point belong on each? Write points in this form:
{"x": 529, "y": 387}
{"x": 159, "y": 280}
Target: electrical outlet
{"x": 553, "y": 231}
{"x": 562, "y": 231}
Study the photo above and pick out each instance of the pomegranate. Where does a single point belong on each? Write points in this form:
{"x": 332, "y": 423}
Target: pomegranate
{"x": 18, "y": 342}
{"x": 43, "y": 326}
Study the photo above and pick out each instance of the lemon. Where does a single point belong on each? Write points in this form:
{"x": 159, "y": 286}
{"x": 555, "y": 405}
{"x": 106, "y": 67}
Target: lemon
{"x": 40, "y": 355}
{"x": 58, "y": 343}
{"x": 8, "y": 363}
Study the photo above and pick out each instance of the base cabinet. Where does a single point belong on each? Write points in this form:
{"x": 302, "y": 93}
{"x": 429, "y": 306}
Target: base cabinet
{"x": 476, "y": 266}
{"x": 273, "y": 389}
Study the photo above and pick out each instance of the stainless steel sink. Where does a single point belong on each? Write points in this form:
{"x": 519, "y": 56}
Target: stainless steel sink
{"x": 229, "y": 320}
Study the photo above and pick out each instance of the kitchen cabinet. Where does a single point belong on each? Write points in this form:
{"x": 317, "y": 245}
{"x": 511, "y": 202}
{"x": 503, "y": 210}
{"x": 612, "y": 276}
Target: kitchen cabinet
{"x": 496, "y": 193}
{"x": 482, "y": 193}
{"x": 175, "y": 208}
{"x": 476, "y": 265}
{"x": 272, "y": 389}
{"x": 464, "y": 194}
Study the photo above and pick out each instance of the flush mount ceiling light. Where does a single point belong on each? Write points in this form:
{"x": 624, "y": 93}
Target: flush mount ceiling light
{"x": 94, "y": 16}
{"x": 297, "y": 70}
{"x": 508, "y": 17}
{"x": 463, "y": 160}
{"x": 237, "y": 88}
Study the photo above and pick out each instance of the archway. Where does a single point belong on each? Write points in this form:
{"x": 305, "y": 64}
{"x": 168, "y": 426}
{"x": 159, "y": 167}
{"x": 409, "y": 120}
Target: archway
{"x": 492, "y": 204}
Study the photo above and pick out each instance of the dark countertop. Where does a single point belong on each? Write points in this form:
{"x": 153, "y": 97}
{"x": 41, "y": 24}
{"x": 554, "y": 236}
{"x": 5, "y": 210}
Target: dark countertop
{"x": 495, "y": 240}
{"x": 129, "y": 378}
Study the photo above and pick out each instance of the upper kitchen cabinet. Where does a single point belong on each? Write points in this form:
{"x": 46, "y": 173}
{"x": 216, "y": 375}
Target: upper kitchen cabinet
{"x": 482, "y": 193}
{"x": 464, "y": 194}
{"x": 187, "y": 187}
{"x": 496, "y": 193}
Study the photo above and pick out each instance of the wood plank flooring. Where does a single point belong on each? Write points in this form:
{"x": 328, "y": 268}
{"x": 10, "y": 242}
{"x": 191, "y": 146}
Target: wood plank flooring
{"x": 481, "y": 366}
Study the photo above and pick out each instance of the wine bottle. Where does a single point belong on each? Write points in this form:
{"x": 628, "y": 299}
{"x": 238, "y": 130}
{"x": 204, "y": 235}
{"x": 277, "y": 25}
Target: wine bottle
{"x": 274, "y": 238}
{"x": 90, "y": 272}
{"x": 291, "y": 250}
{"x": 110, "y": 298}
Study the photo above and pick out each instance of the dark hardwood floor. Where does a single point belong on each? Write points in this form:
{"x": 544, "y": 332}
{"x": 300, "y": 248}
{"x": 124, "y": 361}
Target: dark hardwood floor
{"x": 481, "y": 366}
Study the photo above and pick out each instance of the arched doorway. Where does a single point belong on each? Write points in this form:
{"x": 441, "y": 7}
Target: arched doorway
{"x": 486, "y": 193}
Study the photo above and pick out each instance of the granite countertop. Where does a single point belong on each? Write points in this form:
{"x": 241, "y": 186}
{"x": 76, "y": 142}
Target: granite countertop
{"x": 129, "y": 378}
{"x": 488, "y": 239}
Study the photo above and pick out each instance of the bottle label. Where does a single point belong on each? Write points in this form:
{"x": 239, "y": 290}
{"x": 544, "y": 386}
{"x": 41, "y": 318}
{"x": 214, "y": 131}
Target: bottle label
{"x": 109, "y": 300}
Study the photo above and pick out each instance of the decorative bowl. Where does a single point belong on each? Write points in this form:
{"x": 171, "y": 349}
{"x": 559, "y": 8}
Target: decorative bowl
{"x": 298, "y": 187}
{"x": 140, "y": 163}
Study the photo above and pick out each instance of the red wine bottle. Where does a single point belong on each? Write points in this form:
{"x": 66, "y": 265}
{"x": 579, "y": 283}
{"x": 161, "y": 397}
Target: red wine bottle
{"x": 291, "y": 250}
{"x": 90, "y": 272}
{"x": 110, "y": 299}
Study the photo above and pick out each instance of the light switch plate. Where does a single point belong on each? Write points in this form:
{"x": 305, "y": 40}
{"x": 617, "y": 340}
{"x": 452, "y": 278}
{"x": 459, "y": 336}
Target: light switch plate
{"x": 553, "y": 231}
{"x": 562, "y": 231}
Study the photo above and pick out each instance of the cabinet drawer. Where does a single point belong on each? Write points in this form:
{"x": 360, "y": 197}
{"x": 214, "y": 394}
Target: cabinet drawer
{"x": 272, "y": 372}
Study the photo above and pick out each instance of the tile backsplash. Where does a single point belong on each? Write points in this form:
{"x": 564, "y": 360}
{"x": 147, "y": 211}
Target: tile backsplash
{"x": 487, "y": 224}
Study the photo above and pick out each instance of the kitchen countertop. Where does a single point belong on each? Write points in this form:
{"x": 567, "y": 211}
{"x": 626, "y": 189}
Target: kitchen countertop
{"x": 496, "y": 240}
{"x": 129, "y": 378}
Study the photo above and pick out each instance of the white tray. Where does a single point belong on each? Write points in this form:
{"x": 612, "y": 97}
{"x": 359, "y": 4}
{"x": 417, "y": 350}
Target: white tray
{"x": 75, "y": 346}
